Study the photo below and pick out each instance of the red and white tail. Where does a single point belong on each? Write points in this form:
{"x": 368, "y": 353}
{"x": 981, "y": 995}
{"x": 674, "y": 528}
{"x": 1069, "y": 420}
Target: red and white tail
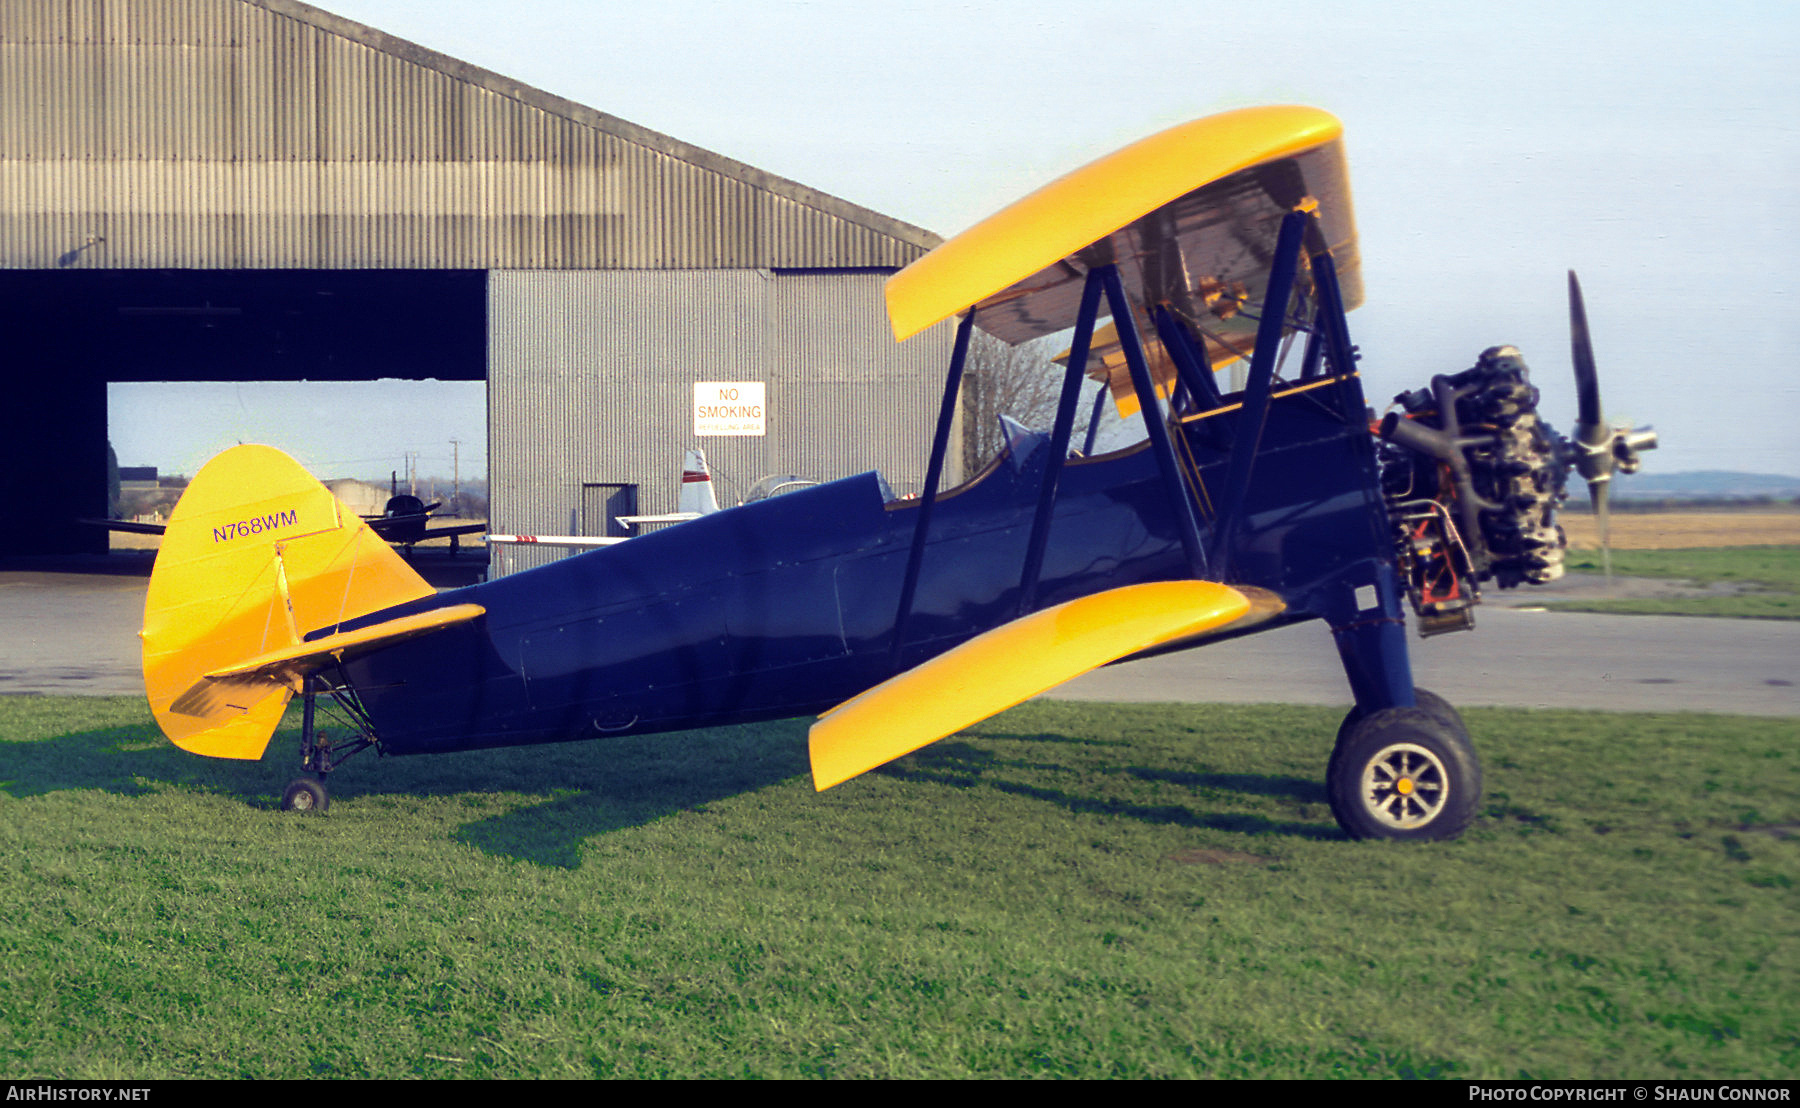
{"x": 696, "y": 485}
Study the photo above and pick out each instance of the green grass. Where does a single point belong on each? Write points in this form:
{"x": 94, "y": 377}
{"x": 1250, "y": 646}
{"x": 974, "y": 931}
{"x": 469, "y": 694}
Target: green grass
{"x": 1068, "y": 890}
{"x": 1770, "y": 576}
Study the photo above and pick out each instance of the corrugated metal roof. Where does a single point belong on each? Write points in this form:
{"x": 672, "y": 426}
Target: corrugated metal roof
{"x": 271, "y": 134}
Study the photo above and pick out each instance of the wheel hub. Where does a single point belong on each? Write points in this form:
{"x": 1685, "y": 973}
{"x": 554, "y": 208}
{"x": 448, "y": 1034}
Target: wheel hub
{"x": 1405, "y": 786}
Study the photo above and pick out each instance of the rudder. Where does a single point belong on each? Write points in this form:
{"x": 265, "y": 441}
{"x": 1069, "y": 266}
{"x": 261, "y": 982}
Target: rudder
{"x": 257, "y": 554}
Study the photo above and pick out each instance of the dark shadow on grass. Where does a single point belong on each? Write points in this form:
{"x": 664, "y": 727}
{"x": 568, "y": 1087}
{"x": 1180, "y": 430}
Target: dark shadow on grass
{"x": 1060, "y": 740}
{"x": 610, "y": 784}
{"x": 592, "y": 787}
{"x": 963, "y": 766}
{"x": 1300, "y": 789}
{"x": 597, "y": 786}
{"x": 126, "y": 761}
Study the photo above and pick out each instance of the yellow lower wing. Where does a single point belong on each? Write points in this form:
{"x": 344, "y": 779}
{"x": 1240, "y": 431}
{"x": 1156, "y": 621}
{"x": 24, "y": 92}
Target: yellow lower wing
{"x": 1008, "y": 665}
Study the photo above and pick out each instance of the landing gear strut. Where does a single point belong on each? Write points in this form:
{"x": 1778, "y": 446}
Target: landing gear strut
{"x": 318, "y": 754}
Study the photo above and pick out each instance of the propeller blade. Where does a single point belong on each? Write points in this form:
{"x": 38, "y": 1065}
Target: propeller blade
{"x": 1599, "y": 492}
{"x": 1008, "y": 665}
{"x": 1587, "y": 378}
{"x": 1597, "y": 449}
{"x": 1594, "y": 440}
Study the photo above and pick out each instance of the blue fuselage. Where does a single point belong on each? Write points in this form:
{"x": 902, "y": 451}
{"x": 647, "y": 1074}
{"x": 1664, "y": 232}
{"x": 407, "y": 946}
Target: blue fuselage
{"x": 788, "y": 606}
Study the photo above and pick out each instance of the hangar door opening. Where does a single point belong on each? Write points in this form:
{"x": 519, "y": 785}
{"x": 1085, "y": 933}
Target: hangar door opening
{"x": 72, "y": 334}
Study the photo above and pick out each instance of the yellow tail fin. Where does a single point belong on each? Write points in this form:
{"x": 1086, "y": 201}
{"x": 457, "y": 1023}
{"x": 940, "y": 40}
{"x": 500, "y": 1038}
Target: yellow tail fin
{"x": 257, "y": 554}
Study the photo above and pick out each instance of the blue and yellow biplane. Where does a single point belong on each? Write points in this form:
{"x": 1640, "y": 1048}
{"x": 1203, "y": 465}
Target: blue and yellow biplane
{"x": 900, "y": 621}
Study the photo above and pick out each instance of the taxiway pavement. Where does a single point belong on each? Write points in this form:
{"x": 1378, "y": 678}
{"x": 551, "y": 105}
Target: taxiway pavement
{"x": 75, "y": 632}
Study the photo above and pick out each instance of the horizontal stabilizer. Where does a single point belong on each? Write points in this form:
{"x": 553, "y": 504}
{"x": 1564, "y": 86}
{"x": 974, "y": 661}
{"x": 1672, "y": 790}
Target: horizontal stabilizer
{"x": 580, "y": 541}
{"x": 1008, "y": 665}
{"x": 305, "y": 657}
{"x": 125, "y": 525}
{"x": 235, "y": 686}
{"x": 209, "y": 698}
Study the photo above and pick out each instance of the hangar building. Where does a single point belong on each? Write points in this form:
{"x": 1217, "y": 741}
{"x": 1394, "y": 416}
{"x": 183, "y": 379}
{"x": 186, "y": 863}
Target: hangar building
{"x": 259, "y": 190}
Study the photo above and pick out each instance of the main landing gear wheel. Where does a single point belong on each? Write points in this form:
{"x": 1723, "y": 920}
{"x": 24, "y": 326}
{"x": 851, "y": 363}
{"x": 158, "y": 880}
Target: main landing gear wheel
{"x": 305, "y": 794}
{"x": 1404, "y": 773}
{"x": 1427, "y": 701}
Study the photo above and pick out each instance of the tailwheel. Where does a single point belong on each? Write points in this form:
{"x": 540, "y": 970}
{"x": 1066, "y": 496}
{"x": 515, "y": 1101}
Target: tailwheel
{"x": 305, "y": 794}
{"x": 1404, "y": 773}
{"x": 319, "y": 752}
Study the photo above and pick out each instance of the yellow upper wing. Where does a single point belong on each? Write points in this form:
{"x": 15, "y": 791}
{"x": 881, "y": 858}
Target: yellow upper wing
{"x": 1189, "y": 215}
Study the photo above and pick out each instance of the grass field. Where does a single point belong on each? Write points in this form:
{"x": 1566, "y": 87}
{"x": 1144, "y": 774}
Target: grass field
{"x": 1748, "y": 562}
{"x": 1068, "y": 890}
{"x": 1758, "y": 582}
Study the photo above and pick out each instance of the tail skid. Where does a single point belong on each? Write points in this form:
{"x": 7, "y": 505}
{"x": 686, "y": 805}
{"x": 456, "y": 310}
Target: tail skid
{"x": 240, "y": 578}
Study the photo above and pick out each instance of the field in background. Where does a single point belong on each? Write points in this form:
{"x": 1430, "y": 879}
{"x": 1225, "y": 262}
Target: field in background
{"x": 1066, "y": 890}
{"x": 1684, "y": 530}
{"x": 1734, "y": 582}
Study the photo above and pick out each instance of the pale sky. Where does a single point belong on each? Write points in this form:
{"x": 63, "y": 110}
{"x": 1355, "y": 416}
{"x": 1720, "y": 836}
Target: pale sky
{"x": 1493, "y": 146}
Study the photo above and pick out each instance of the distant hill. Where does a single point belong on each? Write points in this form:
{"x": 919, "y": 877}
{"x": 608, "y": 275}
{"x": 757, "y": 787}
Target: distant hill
{"x": 1706, "y": 484}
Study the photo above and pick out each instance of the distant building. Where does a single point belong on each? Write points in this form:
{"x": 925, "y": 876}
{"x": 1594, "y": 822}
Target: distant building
{"x": 137, "y": 478}
{"x": 363, "y": 498}
{"x": 259, "y": 190}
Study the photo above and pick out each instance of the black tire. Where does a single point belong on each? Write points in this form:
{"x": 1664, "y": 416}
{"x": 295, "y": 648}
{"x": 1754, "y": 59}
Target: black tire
{"x": 1439, "y": 708}
{"x": 1424, "y": 699}
{"x": 1404, "y": 773}
{"x": 305, "y": 794}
